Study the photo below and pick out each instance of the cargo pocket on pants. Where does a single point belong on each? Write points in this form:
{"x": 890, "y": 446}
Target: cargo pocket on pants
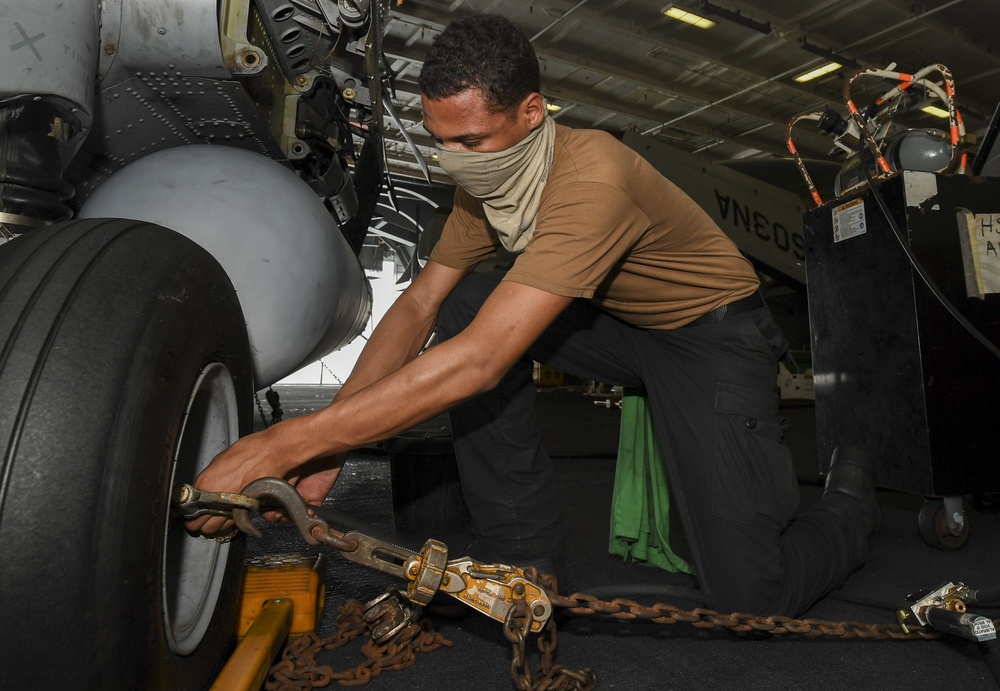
{"x": 752, "y": 468}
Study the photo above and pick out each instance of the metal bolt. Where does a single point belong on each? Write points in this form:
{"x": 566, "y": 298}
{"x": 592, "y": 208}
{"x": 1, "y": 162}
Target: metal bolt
{"x": 250, "y": 58}
{"x": 519, "y": 589}
{"x": 350, "y": 94}
{"x": 302, "y": 80}
{"x": 538, "y": 610}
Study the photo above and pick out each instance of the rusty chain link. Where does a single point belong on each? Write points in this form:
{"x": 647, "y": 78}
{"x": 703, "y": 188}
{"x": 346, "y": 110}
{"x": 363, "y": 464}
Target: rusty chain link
{"x": 581, "y": 604}
{"x": 551, "y": 676}
{"x": 628, "y": 610}
{"x": 298, "y": 669}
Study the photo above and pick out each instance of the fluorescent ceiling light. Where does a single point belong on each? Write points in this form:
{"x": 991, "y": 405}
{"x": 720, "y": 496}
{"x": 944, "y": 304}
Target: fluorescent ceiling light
{"x": 552, "y": 107}
{"x": 688, "y": 17}
{"x": 935, "y": 111}
{"x": 818, "y": 72}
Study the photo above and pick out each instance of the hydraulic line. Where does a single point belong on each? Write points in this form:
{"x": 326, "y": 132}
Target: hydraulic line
{"x": 870, "y": 136}
{"x": 799, "y": 163}
{"x": 906, "y": 81}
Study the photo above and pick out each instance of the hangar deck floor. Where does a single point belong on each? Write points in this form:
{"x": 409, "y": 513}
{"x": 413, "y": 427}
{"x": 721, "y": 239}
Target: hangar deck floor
{"x": 583, "y": 439}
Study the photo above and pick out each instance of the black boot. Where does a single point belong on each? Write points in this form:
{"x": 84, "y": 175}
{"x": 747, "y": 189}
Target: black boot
{"x": 852, "y": 473}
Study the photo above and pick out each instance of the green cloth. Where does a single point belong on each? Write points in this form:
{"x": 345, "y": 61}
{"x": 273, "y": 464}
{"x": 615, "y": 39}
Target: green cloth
{"x": 640, "y": 506}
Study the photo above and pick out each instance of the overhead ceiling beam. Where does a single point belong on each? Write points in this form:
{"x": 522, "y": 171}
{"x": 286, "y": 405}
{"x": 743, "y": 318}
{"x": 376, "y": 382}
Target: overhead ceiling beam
{"x": 629, "y": 29}
{"x": 641, "y": 80}
{"x": 679, "y": 45}
{"x": 636, "y": 79}
{"x": 812, "y": 142}
{"x": 786, "y": 30}
{"x": 807, "y": 140}
{"x": 687, "y": 126}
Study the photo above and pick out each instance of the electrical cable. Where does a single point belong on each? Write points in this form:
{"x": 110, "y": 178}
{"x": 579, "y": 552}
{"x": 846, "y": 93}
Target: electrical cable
{"x": 918, "y": 267}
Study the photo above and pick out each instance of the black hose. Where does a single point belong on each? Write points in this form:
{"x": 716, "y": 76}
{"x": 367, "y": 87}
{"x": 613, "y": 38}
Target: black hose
{"x": 987, "y": 598}
{"x": 972, "y": 627}
{"x": 922, "y": 273}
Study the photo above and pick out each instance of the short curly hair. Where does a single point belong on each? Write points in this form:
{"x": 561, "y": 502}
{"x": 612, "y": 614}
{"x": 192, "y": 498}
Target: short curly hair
{"x": 486, "y": 52}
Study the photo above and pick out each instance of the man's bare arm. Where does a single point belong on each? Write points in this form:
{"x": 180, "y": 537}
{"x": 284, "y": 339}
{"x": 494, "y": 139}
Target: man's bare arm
{"x": 405, "y": 328}
{"x": 474, "y": 361}
{"x": 396, "y": 340}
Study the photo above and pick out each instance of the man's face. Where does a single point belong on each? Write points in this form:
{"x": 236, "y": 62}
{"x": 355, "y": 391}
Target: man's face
{"x": 463, "y": 122}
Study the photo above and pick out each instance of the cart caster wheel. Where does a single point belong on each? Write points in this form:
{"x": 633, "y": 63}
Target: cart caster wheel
{"x": 937, "y": 530}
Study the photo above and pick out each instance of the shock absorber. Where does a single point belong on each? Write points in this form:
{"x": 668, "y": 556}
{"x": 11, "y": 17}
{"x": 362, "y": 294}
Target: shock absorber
{"x": 38, "y": 136}
{"x": 47, "y": 80}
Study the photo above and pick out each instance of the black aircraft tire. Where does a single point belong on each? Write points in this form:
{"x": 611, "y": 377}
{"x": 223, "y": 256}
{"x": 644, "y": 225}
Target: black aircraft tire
{"x": 124, "y": 368}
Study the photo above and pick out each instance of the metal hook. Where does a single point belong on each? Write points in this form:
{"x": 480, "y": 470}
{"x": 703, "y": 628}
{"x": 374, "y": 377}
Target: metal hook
{"x": 313, "y": 529}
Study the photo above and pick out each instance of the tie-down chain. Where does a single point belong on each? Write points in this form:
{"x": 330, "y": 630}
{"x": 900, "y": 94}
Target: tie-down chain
{"x": 491, "y": 589}
{"x": 520, "y": 600}
{"x": 499, "y": 591}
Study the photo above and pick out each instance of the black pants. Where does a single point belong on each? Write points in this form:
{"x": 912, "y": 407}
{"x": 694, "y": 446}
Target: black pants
{"x": 712, "y": 392}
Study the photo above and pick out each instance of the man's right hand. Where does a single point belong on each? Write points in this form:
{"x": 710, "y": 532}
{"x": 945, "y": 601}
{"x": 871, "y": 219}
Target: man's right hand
{"x": 264, "y": 454}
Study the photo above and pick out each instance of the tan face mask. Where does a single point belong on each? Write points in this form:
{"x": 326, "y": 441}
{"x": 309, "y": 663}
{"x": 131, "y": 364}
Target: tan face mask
{"x": 509, "y": 183}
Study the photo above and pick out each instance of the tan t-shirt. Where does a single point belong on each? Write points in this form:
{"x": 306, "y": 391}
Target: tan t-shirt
{"x": 612, "y": 229}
